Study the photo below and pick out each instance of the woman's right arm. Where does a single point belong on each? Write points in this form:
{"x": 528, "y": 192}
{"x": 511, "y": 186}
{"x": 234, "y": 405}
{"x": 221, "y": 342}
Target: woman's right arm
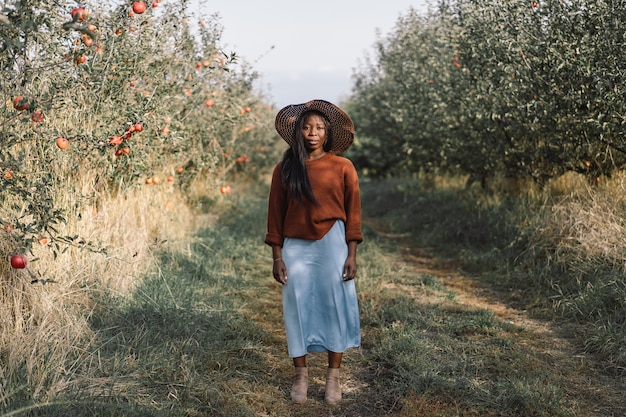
{"x": 277, "y": 207}
{"x": 276, "y": 210}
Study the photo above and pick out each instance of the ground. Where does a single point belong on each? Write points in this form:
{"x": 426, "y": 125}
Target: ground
{"x": 595, "y": 392}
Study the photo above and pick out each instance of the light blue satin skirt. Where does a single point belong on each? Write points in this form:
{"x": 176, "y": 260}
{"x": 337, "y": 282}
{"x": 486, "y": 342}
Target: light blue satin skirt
{"x": 320, "y": 308}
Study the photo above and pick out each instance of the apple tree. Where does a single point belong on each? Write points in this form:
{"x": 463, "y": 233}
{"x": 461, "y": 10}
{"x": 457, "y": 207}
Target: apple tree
{"x": 508, "y": 87}
{"x": 127, "y": 95}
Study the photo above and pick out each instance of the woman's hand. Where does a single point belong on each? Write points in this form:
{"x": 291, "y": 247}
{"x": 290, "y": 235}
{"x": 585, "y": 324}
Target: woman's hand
{"x": 349, "y": 268}
{"x": 280, "y": 271}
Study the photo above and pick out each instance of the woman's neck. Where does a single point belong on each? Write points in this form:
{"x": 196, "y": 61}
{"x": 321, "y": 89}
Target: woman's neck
{"x": 312, "y": 157}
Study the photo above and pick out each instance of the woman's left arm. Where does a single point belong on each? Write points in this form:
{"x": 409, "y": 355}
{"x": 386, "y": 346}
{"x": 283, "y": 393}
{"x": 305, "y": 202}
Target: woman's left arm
{"x": 349, "y": 268}
{"x": 352, "y": 205}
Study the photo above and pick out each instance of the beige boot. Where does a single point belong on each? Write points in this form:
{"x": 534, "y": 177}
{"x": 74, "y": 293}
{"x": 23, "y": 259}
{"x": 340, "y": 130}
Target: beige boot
{"x": 300, "y": 385}
{"x": 333, "y": 387}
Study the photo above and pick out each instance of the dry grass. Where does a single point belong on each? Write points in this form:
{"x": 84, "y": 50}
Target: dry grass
{"x": 583, "y": 225}
{"x": 559, "y": 248}
{"x": 181, "y": 319}
{"x": 45, "y": 330}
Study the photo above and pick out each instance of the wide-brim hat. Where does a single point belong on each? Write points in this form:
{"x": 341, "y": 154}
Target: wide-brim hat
{"x": 341, "y": 124}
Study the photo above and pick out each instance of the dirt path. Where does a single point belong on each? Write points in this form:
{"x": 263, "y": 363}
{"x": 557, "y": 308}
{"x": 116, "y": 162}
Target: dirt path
{"x": 594, "y": 392}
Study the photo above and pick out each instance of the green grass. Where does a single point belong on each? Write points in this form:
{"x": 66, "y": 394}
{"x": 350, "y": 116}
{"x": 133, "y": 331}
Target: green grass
{"x": 559, "y": 257}
{"x": 203, "y": 335}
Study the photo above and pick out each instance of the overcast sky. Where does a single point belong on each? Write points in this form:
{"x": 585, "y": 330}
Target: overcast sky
{"x": 303, "y": 49}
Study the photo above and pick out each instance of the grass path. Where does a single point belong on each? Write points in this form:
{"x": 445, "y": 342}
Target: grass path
{"x": 203, "y": 336}
{"x": 548, "y": 344}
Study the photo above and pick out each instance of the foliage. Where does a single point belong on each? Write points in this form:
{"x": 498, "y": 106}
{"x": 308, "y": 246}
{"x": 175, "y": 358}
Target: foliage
{"x": 110, "y": 122}
{"x": 513, "y": 91}
{"x": 516, "y": 88}
{"x": 136, "y": 96}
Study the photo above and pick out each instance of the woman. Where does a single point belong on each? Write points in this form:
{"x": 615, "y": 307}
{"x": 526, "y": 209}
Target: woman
{"x": 313, "y": 227}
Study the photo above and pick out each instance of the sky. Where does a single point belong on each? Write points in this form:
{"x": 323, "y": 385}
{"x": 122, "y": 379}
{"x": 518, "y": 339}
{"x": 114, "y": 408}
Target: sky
{"x": 304, "y": 50}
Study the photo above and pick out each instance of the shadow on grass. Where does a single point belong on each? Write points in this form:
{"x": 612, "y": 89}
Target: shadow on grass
{"x": 203, "y": 336}
{"x": 429, "y": 355}
{"x": 183, "y": 343}
{"x": 452, "y": 221}
{"x": 478, "y": 232}
{"x": 443, "y": 355}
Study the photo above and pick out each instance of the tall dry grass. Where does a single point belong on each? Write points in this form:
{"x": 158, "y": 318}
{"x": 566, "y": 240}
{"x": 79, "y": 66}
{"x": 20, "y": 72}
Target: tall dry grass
{"x": 583, "y": 226}
{"x": 568, "y": 248}
{"x": 45, "y": 309}
{"x": 560, "y": 249}
{"x": 576, "y": 246}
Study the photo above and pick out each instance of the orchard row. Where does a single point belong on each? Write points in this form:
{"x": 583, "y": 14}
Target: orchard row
{"x": 116, "y": 97}
{"x": 516, "y": 88}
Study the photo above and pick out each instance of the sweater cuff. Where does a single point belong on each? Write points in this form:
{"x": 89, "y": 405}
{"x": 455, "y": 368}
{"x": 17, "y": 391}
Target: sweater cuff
{"x": 274, "y": 239}
{"x": 354, "y": 235}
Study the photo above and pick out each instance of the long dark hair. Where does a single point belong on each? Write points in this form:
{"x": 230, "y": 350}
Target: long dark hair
{"x": 293, "y": 169}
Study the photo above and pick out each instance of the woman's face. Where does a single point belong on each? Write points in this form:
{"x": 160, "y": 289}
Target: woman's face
{"x": 314, "y": 133}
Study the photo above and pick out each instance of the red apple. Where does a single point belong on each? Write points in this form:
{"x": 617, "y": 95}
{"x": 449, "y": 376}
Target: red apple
{"x": 79, "y": 14}
{"x": 139, "y": 7}
{"x": 37, "y": 116}
{"x": 63, "y": 143}
{"x": 18, "y": 261}
{"x": 20, "y": 103}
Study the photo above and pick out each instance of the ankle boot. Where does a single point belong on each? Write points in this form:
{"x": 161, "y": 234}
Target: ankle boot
{"x": 300, "y": 385}
{"x": 333, "y": 387}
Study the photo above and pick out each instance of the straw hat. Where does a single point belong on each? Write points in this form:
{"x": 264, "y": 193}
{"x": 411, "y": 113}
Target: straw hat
{"x": 342, "y": 126}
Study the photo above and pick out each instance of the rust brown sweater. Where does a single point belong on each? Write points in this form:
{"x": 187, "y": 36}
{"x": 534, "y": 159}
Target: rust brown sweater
{"x": 335, "y": 184}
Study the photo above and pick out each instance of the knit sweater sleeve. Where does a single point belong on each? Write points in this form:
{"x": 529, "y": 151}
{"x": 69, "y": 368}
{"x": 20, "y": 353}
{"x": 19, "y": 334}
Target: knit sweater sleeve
{"x": 277, "y": 207}
{"x": 352, "y": 204}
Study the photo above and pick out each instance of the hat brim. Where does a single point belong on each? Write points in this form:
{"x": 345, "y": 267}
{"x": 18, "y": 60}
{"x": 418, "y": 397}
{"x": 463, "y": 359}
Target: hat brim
{"x": 342, "y": 125}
